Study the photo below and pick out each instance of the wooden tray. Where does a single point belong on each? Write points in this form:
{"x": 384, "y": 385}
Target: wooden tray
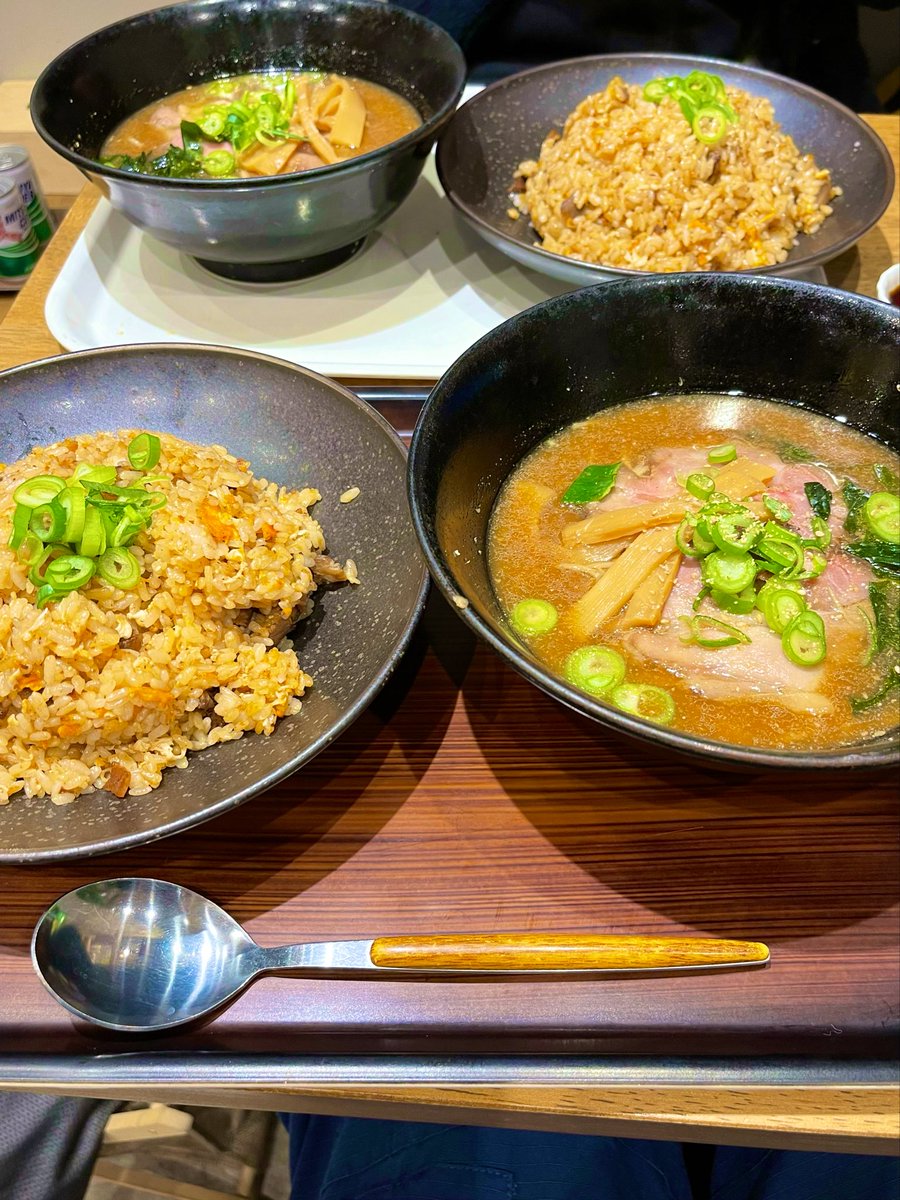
{"x": 465, "y": 799}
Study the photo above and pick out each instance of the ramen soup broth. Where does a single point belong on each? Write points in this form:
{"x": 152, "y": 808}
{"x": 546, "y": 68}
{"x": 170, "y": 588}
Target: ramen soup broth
{"x": 305, "y": 120}
{"x": 749, "y": 691}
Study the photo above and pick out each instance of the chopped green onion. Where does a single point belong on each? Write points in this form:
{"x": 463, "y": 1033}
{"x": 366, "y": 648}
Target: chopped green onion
{"x": 595, "y": 669}
{"x": 735, "y": 531}
{"x": 803, "y": 640}
{"x": 20, "y": 522}
{"x": 729, "y": 570}
{"x": 702, "y": 87}
{"x": 741, "y": 604}
{"x": 85, "y": 473}
{"x": 127, "y": 528}
{"x": 40, "y": 489}
{"x": 722, "y": 634}
{"x": 821, "y": 532}
{"x": 93, "y": 535}
{"x": 72, "y": 501}
{"x": 699, "y": 485}
{"x": 644, "y": 700}
{"x": 690, "y": 540}
{"x": 31, "y": 550}
{"x": 143, "y": 451}
{"x": 777, "y": 508}
{"x": 720, "y": 455}
{"x": 656, "y": 90}
{"x": 69, "y": 572}
{"x": 881, "y": 512}
{"x": 219, "y": 164}
{"x": 119, "y": 567}
{"x": 59, "y": 527}
{"x": 529, "y": 617}
{"x": 36, "y": 572}
{"x": 710, "y": 124}
{"x": 48, "y": 521}
{"x": 212, "y": 121}
{"x": 780, "y": 607}
{"x": 45, "y": 593}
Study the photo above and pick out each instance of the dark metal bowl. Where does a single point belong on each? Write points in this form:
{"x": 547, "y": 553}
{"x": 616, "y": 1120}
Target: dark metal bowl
{"x": 272, "y": 228}
{"x": 563, "y": 360}
{"x": 296, "y": 428}
{"x": 506, "y": 123}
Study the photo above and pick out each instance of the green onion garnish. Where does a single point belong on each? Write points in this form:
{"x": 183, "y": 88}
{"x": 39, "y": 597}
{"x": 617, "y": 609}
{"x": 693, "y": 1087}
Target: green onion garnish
{"x": 644, "y": 700}
{"x": 699, "y": 485}
{"x": 595, "y": 669}
{"x": 720, "y": 455}
{"x": 729, "y": 570}
{"x": 69, "y": 572}
{"x": 119, "y": 567}
{"x": 881, "y": 512}
{"x": 40, "y": 489}
{"x": 713, "y": 634}
{"x": 533, "y": 617}
{"x": 777, "y": 508}
{"x": 67, "y": 531}
{"x": 48, "y": 521}
{"x": 703, "y": 102}
{"x": 143, "y": 451}
{"x": 780, "y": 607}
{"x": 20, "y": 522}
{"x": 803, "y": 639}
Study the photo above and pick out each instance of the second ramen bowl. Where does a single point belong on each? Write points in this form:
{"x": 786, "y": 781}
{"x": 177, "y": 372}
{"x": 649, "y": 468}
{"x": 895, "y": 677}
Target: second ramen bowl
{"x": 271, "y": 228}
{"x": 813, "y": 347}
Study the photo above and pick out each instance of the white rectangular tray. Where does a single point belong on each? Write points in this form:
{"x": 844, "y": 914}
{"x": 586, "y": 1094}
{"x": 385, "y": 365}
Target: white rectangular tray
{"x": 421, "y": 291}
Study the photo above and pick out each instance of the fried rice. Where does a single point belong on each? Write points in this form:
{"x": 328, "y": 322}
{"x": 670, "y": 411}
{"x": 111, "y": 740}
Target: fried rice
{"x": 106, "y": 688}
{"x": 627, "y": 184}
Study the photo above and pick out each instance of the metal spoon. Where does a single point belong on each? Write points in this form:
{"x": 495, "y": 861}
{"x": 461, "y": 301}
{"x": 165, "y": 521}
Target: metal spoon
{"x": 143, "y": 955}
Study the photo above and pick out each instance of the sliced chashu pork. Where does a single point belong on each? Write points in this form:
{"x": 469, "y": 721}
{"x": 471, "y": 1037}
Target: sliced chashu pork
{"x": 758, "y": 670}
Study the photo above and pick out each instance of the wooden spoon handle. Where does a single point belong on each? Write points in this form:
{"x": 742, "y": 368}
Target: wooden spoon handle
{"x": 525, "y": 952}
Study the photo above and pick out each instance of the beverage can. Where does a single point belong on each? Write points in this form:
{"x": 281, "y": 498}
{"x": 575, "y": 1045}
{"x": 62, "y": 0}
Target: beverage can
{"x": 15, "y": 164}
{"x": 19, "y": 246}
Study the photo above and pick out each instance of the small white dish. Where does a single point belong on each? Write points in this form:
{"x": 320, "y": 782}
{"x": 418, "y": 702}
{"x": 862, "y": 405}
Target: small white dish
{"x": 888, "y": 281}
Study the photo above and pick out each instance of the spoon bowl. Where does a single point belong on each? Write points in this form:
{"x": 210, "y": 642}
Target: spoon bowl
{"x": 137, "y": 954}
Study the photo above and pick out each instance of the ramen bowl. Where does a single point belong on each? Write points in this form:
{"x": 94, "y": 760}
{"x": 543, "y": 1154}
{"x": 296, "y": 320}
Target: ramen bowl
{"x": 826, "y": 351}
{"x": 270, "y": 228}
{"x": 506, "y": 123}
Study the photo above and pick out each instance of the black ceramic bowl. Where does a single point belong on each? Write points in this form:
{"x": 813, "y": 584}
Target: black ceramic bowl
{"x": 507, "y": 122}
{"x": 266, "y": 229}
{"x": 814, "y": 347}
{"x": 296, "y": 428}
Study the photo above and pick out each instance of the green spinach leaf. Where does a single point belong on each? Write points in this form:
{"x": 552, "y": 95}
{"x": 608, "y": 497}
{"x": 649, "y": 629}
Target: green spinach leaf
{"x": 855, "y": 498}
{"x": 882, "y": 557}
{"x": 592, "y": 484}
{"x": 819, "y": 499}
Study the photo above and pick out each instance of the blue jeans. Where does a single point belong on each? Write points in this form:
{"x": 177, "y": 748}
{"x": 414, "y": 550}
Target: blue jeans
{"x": 347, "y": 1158}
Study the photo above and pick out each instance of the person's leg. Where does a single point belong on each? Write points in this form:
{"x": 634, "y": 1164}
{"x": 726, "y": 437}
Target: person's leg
{"x": 745, "y": 1174}
{"x": 48, "y": 1145}
{"x": 344, "y": 1158}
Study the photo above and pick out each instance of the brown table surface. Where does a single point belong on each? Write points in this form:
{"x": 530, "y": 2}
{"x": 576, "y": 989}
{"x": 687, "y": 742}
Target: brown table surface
{"x": 466, "y": 799}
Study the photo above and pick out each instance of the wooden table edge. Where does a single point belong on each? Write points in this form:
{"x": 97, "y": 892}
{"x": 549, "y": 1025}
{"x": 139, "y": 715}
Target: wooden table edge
{"x": 859, "y": 1120}
{"x": 837, "y": 1118}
